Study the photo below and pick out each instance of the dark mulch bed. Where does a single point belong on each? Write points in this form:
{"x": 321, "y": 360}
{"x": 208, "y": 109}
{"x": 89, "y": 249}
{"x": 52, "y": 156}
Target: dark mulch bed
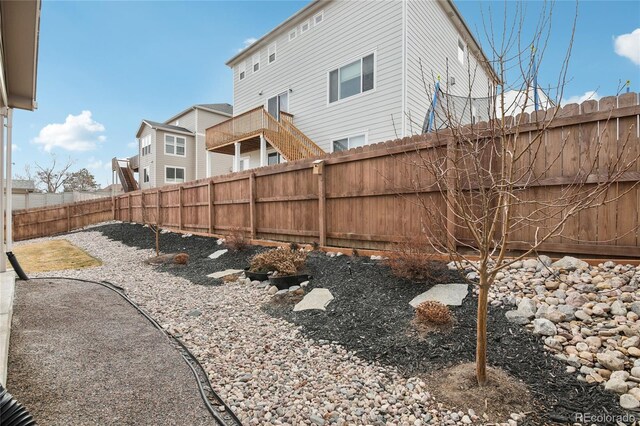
{"x": 371, "y": 315}
{"x": 198, "y": 249}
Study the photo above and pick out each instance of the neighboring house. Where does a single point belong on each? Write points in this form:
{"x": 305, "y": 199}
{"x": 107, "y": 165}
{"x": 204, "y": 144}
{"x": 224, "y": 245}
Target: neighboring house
{"x": 347, "y": 74}
{"x": 22, "y": 186}
{"x": 174, "y": 151}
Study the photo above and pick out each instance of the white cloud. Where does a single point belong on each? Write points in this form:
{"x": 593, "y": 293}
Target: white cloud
{"x": 628, "y": 45}
{"x": 247, "y": 42}
{"x": 132, "y": 144}
{"x": 589, "y": 95}
{"x": 94, "y": 164}
{"x": 77, "y": 133}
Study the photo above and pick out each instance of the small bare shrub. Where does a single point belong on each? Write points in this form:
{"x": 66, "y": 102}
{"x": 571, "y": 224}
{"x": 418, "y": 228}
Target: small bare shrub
{"x": 236, "y": 241}
{"x": 294, "y": 246}
{"x": 414, "y": 260}
{"x": 285, "y": 262}
{"x": 432, "y": 312}
{"x": 181, "y": 259}
{"x": 315, "y": 246}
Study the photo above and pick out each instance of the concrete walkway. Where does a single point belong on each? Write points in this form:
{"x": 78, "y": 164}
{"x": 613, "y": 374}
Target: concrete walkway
{"x": 81, "y": 355}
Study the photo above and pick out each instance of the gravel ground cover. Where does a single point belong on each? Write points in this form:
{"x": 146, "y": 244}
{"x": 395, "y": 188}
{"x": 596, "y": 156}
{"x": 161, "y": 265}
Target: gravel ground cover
{"x": 357, "y": 363}
{"x": 82, "y": 355}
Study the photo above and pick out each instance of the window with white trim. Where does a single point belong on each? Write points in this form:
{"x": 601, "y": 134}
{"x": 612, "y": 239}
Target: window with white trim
{"x": 145, "y": 144}
{"x": 293, "y": 34}
{"x": 460, "y": 51}
{"x": 351, "y": 79}
{"x": 305, "y": 27}
{"x": 242, "y": 70}
{"x": 145, "y": 175}
{"x": 173, "y": 174}
{"x": 256, "y": 62}
{"x": 343, "y": 144}
{"x": 318, "y": 18}
{"x": 272, "y": 53}
{"x": 174, "y": 145}
{"x": 273, "y": 158}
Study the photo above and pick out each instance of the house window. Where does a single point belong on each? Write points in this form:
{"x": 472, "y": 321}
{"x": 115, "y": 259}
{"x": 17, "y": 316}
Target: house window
{"x": 351, "y": 79}
{"x": 242, "y": 70}
{"x": 145, "y": 143}
{"x": 460, "y": 52}
{"x": 293, "y": 34}
{"x": 174, "y": 145}
{"x": 272, "y": 53}
{"x": 174, "y": 174}
{"x": 145, "y": 175}
{"x": 305, "y": 27}
{"x": 273, "y": 158}
{"x": 343, "y": 144}
{"x": 245, "y": 163}
{"x": 256, "y": 62}
{"x": 318, "y": 18}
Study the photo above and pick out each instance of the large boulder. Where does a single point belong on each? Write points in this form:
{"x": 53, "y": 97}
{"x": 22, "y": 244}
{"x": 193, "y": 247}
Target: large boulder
{"x": 569, "y": 263}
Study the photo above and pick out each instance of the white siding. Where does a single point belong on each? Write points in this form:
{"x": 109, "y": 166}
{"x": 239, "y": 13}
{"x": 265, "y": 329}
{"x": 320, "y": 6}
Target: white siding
{"x": 432, "y": 39}
{"x": 350, "y": 30}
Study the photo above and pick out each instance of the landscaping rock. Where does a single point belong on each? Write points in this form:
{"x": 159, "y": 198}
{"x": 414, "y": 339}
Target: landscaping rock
{"x": 217, "y": 254}
{"x": 569, "y": 263}
{"x": 610, "y": 360}
{"x": 447, "y": 294}
{"x": 273, "y": 290}
{"x": 576, "y": 299}
{"x": 224, "y": 273}
{"x": 527, "y": 307}
{"x": 517, "y": 317}
{"x": 318, "y": 298}
{"x": 544, "y": 327}
{"x": 618, "y": 308}
{"x": 629, "y": 402}
{"x": 617, "y": 383}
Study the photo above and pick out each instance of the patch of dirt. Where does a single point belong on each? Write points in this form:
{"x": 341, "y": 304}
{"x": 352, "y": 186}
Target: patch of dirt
{"x": 502, "y": 395}
{"x": 53, "y": 255}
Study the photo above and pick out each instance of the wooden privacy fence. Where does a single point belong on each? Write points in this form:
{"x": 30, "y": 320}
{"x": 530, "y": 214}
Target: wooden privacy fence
{"x": 47, "y": 221}
{"x": 362, "y": 198}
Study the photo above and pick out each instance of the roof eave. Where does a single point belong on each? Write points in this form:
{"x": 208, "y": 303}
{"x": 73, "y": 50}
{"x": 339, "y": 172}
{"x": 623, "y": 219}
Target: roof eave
{"x": 261, "y": 40}
{"x": 197, "y": 107}
{"x": 20, "y": 40}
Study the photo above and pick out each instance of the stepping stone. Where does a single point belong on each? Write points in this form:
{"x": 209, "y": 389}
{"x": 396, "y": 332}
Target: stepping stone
{"x": 217, "y": 254}
{"x": 224, "y": 273}
{"x": 447, "y": 294}
{"x": 318, "y": 298}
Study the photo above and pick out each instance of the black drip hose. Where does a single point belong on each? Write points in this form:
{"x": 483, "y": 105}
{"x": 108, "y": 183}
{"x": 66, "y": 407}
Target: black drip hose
{"x": 12, "y": 413}
{"x": 221, "y": 412}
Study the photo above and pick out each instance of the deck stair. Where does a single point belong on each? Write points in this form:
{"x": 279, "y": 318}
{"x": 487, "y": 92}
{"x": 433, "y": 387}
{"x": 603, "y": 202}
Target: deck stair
{"x": 125, "y": 174}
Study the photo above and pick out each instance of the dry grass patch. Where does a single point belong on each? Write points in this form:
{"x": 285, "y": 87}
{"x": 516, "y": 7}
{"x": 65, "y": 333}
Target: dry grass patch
{"x": 54, "y": 255}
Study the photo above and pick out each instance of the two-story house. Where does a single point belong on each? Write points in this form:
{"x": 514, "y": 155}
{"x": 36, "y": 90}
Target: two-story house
{"x": 174, "y": 151}
{"x": 342, "y": 74}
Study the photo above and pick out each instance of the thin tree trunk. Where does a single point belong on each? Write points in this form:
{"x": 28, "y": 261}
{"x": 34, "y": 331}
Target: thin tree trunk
{"x": 481, "y": 333}
{"x": 157, "y": 241}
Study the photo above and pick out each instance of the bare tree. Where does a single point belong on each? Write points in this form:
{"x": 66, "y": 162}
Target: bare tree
{"x": 492, "y": 176}
{"x": 52, "y": 178}
{"x": 151, "y": 218}
{"x": 82, "y": 180}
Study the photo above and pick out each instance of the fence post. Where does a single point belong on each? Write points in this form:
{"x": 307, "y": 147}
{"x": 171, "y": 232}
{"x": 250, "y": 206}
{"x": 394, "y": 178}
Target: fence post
{"x": 180, "y": 207}
{"x": 158, "y": 198}
{"x": 318, "y": 169}
{"x": 451, "y": 215}
{"x": 113, "y": 207}
{"x": 130, "y": 209}
{"x": 211, "y": 199}
{"x": 142, "y": 207}
{"x": 252, "y": 205}
{"x": 68, "y": 218}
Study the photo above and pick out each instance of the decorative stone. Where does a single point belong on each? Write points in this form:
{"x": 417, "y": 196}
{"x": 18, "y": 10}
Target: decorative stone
{"x": 527, "y": 307}
{"x": 273, "y": 289}
{"x": 516, "y": 317}
{"x": 318, "y": 298}
{"x": 617, "y": 383}
{"x": 544, "y": 327}
{"x": 224, "y": 273}
{"x": 555, "y": 316}
{"x": 629, "y": 402}
{"x": 569, "y": 263}
{"x": 447, "y": 294}
{"x": 217, "y": 254}
{"x": 610, "y": 361}
{"x": 576, "y": 299}
{"x": 633, "y": 351}
{"x": 618, "y": 308}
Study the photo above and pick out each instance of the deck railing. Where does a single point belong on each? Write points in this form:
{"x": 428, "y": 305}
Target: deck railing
{"x": 292, "y": 143}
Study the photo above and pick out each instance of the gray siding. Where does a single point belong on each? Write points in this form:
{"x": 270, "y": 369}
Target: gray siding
{"x": 350, "y": 30}
{"x": 147, "y": 160}
{"x": 187, "y": 120}
{"x": 432, "y": 40}
{"x": 162, "y": 159}
{"x": 219, "y": 164}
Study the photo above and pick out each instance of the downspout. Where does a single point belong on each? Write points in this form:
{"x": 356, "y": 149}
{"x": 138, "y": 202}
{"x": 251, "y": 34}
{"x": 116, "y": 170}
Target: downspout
{"x": 3, "y": 193}
{"x": 12, "y": 257}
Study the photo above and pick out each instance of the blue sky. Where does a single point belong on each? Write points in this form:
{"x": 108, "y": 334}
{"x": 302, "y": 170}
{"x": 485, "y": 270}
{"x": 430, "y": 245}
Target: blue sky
{"x": 104, "y": 66}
